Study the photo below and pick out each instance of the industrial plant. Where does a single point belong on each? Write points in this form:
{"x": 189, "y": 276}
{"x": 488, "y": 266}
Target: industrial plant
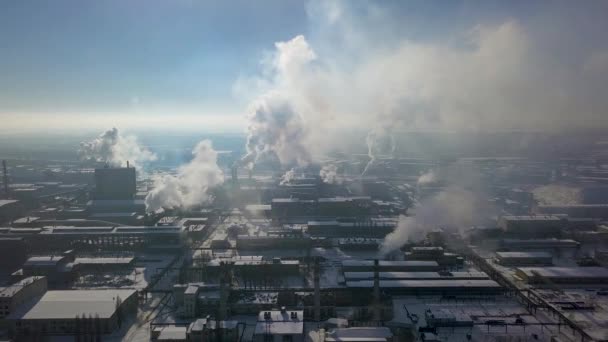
{"x": 303, "y": 171}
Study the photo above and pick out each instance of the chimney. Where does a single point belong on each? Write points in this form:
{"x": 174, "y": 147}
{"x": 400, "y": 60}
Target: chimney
{"x": 317, "y": 291}
{"x": 224, "y": 292}
{"x": 235, "y": 171}
{"x": 127, "y": 164}
{"x": 5, "y": 177}
{"x": 376, "y": 299}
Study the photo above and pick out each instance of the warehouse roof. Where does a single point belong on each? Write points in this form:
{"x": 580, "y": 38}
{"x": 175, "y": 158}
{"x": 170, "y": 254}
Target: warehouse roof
{"x": 7, "y": 202}
{"x": 416, "y": 275}
{"x": 385, "y": 263}
{"x": 523, "y": 254}
{"x": 565, "y": 272}
{"x": 451, "y": 283}
{"x": 379, "y": 334}
{"x": 532, "y": 218}
{"x": 68, "y": 304}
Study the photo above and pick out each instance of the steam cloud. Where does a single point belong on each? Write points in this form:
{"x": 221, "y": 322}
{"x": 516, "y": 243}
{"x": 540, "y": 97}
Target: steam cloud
{"x": 428, "y": 178}
{"x": 115, "y": 149}
{"x": 495, "y": 76}
{"x": 452, "y": 208}
{"x": 276, "y": 124}
{"x": 329, "y": 174}
{"x": 379, "y": 142}
{"x": 191, "y": 185}
{"x": 288, "y": 177}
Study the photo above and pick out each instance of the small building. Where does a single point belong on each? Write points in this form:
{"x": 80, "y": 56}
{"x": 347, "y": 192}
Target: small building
{"x": 169, "y": 333}
{"x": 524, "y": 258}
{"x": 58, "y": 269}
{"x": 68, "y": 312}
{"x": 13, "y": 296}
{"x": 190, "y": 298}
{"x": 280, "y": 325}
{"x": 205, "y": 329}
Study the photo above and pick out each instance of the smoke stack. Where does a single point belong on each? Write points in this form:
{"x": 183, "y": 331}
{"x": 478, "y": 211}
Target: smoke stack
{"x": 127, "y": 164}
{"x": 317, "y": 270}
{"x": 235, "y": 177}
{"x": 376, "y": 300}
{"x": 224, "y": 289}
{"x": 5, "y": 175}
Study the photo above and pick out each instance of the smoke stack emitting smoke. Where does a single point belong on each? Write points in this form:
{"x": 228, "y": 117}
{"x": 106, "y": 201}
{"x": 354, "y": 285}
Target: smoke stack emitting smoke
{"x": 191, "y": 185}
{"x": 453, "y": 208}
{"x": 379, "y": 142}
{"x": 116, "y": 150}
{"x": 329, "y": 174}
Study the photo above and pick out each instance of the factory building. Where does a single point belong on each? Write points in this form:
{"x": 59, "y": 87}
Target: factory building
{"x": 116, "y": 207}
{"x": 10, "y": 209}
{"x": 563, "y": 275}
{"x": 599, "y": 211}
{"x": 13, "y": 253}
{"x": 115, "y": 183}
{"x": 58, "y": 269}
{"x": 359, "y": 334}
{"x": 255, "y": 264}
{"x": 13, "y": 296}
{"x": 279, "y": 326}
{"x": 524, "y": 258}
{"x": 519, "y": 244}
{"x": 272, "y": 241}
{"x": 355, "y": 276}
{"x": 390, "y": 266}
{"x": 296, "y": 210}
{"x": 123, "y": 237}
{"x": 343, "y": 228}
{"x": 65, "y": 312}
{"x": 444, "y": 259}
{"x": 445, "y": 287}
{"x": 532, "y": 225}
{"x": 203, "y": 329}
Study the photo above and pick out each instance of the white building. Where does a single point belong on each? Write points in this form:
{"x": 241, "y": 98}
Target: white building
{"x": 66, "y": 312}
{"x": 280, "y": 326}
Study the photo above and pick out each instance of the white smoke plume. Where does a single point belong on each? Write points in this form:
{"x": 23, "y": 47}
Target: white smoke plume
{"x": 275, "y": 129}
{"x": 351, "y": 74}
{"x": 276, "y": 124}
{"x": 428, "y": 177}
{"x": 329, "y": 174}
{"x": 288, "y": 177}
{"x": 191, "y": 185}
{"x": 557, "y": 195}
{"x": 115, "y": 149}
{"x": 379, "y": 142}
{"x": 453, "y": 208}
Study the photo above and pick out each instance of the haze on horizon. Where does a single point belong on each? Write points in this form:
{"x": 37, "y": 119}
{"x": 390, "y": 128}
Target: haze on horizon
{"x": 330, "y": 65}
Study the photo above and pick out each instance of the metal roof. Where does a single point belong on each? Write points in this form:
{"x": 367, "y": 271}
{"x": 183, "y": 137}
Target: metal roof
{"x": 68, "y": 304}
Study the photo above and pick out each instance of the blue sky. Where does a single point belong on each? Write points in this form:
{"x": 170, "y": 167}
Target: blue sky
{"x": 80, "y": 55}
{"x": 136, "y": 57}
